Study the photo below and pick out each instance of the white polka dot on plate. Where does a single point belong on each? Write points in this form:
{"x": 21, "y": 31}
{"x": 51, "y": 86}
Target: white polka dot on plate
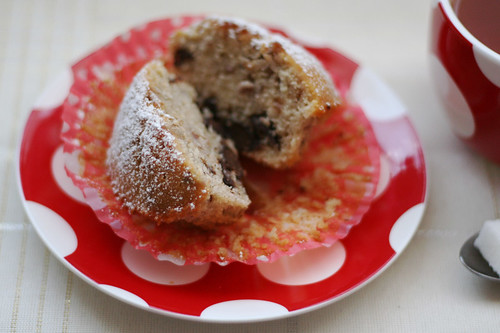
{"x": 305, "y": 267}
{"x": 56, "y": 92}
{"x": 123, "y": 295}
{"x": 405, "y": 227}
{"x": 376, "y": 99}
{"x": 489, "y": 63}
{"x": 53, "y": 229}
{"x": 244, "y": 309}
{"x": 63, "y": 181}
{"x": 456, "y": 107}
{"x": 142, "y": 264}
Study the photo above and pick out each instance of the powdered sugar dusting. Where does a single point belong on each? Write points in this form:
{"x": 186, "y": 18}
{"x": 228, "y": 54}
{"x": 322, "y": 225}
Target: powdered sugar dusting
{"x": 134, "y": 153}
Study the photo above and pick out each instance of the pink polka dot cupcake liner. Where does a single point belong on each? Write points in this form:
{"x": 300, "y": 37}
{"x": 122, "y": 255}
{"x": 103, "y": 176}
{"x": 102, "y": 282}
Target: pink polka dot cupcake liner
{"x": 312, "y": 204}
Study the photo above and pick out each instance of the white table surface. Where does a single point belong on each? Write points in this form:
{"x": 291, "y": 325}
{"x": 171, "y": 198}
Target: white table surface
{"x": 425, "y": 290}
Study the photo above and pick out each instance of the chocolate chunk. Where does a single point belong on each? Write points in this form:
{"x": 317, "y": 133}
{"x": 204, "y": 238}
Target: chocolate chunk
{"x": 210, "y": 122}
{"x": 209, "y": 110}
{"x": 261, "y": 127}
{"x": 210, "y": 103}
{"x": 241, "y": 135}
{"x": 264, "y": 130}
{"x": 253, "y": 135}
{"x": 248, "y": 136}
{"x": 182, "y": 56}
{"x": 231, "y": 167}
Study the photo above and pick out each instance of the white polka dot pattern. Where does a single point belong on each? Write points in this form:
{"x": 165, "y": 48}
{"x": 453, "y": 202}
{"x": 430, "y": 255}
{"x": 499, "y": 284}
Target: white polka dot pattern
{"x": 123, "y": 295}
{"x": 489, "y": 63}
{"x": 306, "y": 267}
{"x": 63, "y": 181}
{"x": 378, "y": 101}
{"x": 142, "y": 264}
{"x": 404, "y": 228}
{"x": 53, "y": 229}
{"x": 457, "y": 109}
{"x": 56, "y": 92}
{"x": 245, "y": 309}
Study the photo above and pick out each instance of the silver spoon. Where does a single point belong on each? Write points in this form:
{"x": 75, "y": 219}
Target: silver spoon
{"x": 474, "y": 261}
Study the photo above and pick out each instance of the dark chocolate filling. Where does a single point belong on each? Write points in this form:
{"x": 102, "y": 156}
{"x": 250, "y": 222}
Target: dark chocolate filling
{"x": 181, "y": 56}
{"x": 231, "y": 167}
{"x": 232, "y": 170}
{"x": 264, "y": 130}
{"x": 258, "y": 131}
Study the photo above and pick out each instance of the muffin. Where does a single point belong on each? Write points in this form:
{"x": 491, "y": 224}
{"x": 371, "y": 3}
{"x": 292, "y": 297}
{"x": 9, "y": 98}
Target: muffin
{"x": 260, "y": 89}
{"x": 311, "y": 204}
{"x": 164, "y": 163}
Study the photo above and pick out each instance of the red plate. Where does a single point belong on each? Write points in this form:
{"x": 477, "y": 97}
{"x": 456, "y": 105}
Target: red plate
{"x": 236, "y": 292}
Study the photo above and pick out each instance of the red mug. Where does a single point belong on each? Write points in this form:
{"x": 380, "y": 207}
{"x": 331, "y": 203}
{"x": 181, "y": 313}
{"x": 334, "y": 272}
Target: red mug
{"x": 467, "y": 77}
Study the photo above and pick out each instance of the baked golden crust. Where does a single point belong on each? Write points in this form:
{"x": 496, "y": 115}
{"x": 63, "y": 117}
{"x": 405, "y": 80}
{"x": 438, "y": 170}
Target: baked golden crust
{"x": 164, "y": 163}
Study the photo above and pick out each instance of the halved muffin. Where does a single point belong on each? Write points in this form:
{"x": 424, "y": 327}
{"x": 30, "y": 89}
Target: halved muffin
{"x": 263, "y": 91}
{"x": 165, "y": 163}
